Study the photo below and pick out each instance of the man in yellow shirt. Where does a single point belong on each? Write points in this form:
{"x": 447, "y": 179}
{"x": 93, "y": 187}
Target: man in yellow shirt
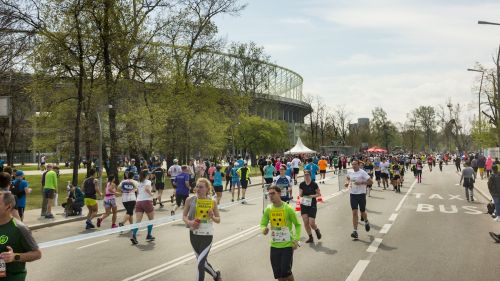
{"x": 50, "y": 190}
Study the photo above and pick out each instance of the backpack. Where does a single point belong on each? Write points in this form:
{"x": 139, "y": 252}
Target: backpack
{"x": 14, "y": 189}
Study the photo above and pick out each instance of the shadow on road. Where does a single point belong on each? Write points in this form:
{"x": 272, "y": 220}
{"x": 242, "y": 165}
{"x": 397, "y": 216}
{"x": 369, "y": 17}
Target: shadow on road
{"x": 320, "y": 248}
{"x": 146, "y": 247}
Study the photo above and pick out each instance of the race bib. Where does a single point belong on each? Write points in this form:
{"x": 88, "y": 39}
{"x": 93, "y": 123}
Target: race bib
{"x": 306, "y": 201}
{"x": 284, "y": 192}
{"x": 202, "y": 208}
{"x": 280, "y": 234}
{"x": 205, "y": 228}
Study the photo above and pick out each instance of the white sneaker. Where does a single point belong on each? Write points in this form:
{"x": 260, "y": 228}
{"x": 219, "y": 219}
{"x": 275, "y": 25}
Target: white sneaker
{"x": 497, "y": 219}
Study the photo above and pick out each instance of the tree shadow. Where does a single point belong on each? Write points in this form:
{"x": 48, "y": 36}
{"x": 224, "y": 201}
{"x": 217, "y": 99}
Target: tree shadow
{"x": 318, "y": 247}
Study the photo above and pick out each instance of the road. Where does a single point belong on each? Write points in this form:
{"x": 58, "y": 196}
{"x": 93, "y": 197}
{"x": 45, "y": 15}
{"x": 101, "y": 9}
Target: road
{"x": 428, "y": 232}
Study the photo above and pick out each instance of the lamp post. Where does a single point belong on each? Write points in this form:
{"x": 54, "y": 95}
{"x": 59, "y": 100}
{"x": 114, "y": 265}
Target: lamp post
{"x": 479, "y": 94}
{"x": 487, "y": 22}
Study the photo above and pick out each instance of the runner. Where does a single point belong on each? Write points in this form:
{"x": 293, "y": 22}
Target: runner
{"x": 458, "y": 161}
{"x": 181, "y": 188}
{"x": 441, "y": 165}
{"x": 218, "y": 175}
{"x": 172, "y": 172}
{"x": 128, "y": 187}
{"x": 429, "y": 162}
{"x": 198, "y": 215}
{"x": 384, "y": 172}
{"x": 368, "y": 168}
{"x": 143, "y": 205}
{"x": 468, "y": 178}
{"x": 90, "y": 189}
{"x": 110, "y": 201}
{"x": 235, "y": 181}
{"x": 244, "y": 174}
{"x": 228, "y": 176}
{"x": 396, "y": 177}
{"x": 357, "y": 181}
{"x": 285, "y": 184}
{"x": 21, "y": 190}
{"x": 283, "y": 239}
{"x": 311, "y": 167}
{"x": 323, "y": 164}
{"x": 269, "y": 172}
{"x": 308, "y": 191}
{"x": 159, "y": 175}
{"x": 296, "y": 168}
{"x": 376, "y": 168}
{"x": 418, "y": 170}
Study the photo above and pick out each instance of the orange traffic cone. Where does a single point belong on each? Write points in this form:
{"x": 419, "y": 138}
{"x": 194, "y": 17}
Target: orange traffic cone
{"x": 297, "y": 205}
{"x": 320, "y": 198}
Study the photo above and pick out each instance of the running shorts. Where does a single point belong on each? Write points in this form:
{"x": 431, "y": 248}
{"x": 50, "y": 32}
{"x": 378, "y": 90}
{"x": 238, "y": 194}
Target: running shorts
{"x": 358, "y": 200}
{"x": 384, "y": 175}
{"x": 160, "y": 186}
{"x": 322, "y": 171}
{"x": 129, "y": 207}
{"x": 49, "y": 193}
{"x": 475, "y": 169}
{"x": 481, "y": 170}
{"x": 244, "y": 184}
{"x": 296, "y": 171}
{"x": 235, "y": 183}
{"x": 377, "y": 175}
{"x": 281, "y": 262}
{"x": 268, "y": 180}
{"x": 396, "y": 177}
{"x": 109, "y": 203}
{"x": 144, "y": 206}
{"x": 180, "y": 199}
{"x": 90, "y": 202}
{"x": 309, "y": 211}
{"x": 218, "y": 188}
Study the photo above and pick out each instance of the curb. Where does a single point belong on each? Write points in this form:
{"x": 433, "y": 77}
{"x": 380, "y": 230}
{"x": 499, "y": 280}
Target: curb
{"x": 81, "y": 218}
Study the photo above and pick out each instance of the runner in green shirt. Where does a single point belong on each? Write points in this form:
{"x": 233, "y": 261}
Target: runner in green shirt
{"x": 283, "y": 239}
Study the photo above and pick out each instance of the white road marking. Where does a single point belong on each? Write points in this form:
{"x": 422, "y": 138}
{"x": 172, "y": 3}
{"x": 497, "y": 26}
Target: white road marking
{"x": 374, "y": 246}
{"x": 93, "y": 244}
{"x": 385, "y": 228}
{"x": 180, "y": 260}
{"x": 406, "y": 195}
{"x": 358, "y": 270}
{"x": 393, "y": 217}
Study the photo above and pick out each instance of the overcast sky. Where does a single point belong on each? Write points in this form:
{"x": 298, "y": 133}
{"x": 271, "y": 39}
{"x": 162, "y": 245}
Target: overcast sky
{"x": 362, "y": 54}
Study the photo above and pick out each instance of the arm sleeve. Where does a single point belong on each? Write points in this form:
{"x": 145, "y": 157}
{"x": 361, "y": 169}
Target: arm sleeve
{"x": 265, "y": 219}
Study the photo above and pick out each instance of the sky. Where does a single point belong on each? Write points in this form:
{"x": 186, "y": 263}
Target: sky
{"x": 365, "y": 53}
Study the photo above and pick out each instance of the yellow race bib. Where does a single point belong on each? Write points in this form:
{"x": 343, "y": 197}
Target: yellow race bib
{"x": 277, "y": 218}
{"x": 202, "y": 207}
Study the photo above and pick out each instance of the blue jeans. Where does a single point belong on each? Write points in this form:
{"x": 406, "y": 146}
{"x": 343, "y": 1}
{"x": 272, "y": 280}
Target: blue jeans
{"x": 496, "y": 201}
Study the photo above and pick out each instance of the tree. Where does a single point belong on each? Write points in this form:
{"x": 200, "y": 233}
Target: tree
{"x": 259, "y": 136}
{"x": 426, "y": 117}
{"x": 383, "y": 129}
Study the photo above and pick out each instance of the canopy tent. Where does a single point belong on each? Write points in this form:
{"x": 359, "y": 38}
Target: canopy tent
{"x": 300, "y": 148}
{"x": 377, "y": 149}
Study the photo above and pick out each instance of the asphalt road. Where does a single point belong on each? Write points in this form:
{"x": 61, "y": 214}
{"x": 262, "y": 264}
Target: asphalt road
{"x": 408, "y": 241}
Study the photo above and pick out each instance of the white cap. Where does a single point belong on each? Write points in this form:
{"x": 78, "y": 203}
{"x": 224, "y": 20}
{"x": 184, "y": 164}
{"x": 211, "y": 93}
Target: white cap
{"x": 175, "y": 160}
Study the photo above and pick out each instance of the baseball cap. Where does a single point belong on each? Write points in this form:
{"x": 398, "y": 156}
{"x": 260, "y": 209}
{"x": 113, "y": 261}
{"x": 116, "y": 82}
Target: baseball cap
{"x": 175, "y": 160}
{"x": 19, "y": 173}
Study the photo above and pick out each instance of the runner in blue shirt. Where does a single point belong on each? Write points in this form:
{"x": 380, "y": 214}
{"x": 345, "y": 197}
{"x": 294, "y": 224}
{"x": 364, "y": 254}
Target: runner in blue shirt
{"x": 313, "y": 168}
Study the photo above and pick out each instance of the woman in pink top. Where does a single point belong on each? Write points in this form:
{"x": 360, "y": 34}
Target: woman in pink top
{"x": 110, "y": 201}
{"x": 277, "y": 165}
{"x": 489, "y": 166}
{"x": 211, "y": 172}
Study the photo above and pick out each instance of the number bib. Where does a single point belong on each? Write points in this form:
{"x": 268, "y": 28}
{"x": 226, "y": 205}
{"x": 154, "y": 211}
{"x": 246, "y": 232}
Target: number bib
{"x": 306, "y": 201}
{"x": 280, "y": 234}
{"x": 205, "y": 228}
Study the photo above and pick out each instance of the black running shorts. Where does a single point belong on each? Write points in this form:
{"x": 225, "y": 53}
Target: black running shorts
{"x": 358, "y": 201}
{"x": 281, "y": 262}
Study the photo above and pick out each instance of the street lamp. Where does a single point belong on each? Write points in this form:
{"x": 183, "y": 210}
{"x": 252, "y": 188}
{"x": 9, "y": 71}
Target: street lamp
{"x": 487, "y": 22}
{"x": 479, "y": 94}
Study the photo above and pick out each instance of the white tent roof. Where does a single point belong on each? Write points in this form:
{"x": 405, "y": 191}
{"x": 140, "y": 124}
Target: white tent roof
{"x": 299, "y": 148}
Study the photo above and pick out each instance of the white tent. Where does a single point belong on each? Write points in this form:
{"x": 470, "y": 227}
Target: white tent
{"x": 300, "y": 148}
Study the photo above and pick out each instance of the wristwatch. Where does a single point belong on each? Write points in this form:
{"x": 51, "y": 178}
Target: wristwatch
{"x": 17, "y": 257}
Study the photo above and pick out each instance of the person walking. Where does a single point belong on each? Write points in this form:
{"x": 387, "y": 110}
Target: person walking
{"x": 458, "y": 161}
{"x": 21, "y": 190}
{"x": 143, "y": 205}
{"x": 285, "y": 234}
{"x": 44, "y": 199}
{"x": 468, "y": 178}
{"x": 182, "y": 188}
{"x": 49, "y": 191}
{"x": 494, "y": 188}
{"x": 128, "y": 188}
{"x": 199, "y": 214}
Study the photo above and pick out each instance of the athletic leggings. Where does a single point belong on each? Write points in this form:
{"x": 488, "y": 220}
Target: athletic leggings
{"x": 201, "y": 246}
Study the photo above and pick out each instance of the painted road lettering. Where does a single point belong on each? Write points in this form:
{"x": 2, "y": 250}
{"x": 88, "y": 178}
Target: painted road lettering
{"x": 452, "y": 209}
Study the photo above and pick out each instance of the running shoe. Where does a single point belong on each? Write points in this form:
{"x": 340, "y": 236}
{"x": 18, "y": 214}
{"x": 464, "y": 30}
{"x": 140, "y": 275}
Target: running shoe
{"x": 49, "y": 216}
{"x": 89, "y": 225}
{"x": 150, "y": 238}
{"x": 134, "y": 240}
{"x": 99, "y": 221}
{"x": 310, "y": 240}
{"x": 114, "y": 226}
{"x": 154, "y": 201}
{"x": 120, "y": 224}
{"x": 318, "y": 234}
{"x": 495, "y": 237}
{"x": 172, "y": 213}
{"x": 161, "y": 205}
{"x": 354, "y": 235}
{"x": 218, "y": 276}
{"x": 172, "y": 199}
{"x": 362, "y": 219}
{"x": 367, "y": 226}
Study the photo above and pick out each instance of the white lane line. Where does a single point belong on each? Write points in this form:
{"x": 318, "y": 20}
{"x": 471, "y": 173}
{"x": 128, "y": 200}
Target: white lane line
{"x": 180, "y": 260}
{"x": 393, "y": 217}
{"x": 385, "y": 228}
{"x": 406, "y": 195}
{"x": 358, "y": 270}
{"x": 374, "y": 246}
{"x": 93, "y": 244}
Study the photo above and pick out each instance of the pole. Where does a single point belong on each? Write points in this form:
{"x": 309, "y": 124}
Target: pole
{"x": 479, "y": 100}
{"x": 100, "y": 151}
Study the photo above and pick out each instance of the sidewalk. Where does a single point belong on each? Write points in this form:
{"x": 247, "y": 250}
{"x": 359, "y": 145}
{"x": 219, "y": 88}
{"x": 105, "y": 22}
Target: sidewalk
{"x": 482, "y": 187}
{"x": 34, "y": 221}
{"x": 61, "y": 171}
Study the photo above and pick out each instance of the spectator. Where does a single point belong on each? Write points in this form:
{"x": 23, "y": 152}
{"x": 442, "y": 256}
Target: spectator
{"x": 18, "y": 245}
{"x": 20, "y": 190}
{"x": 50, "y": 191}
{"x": 494, "y": 188}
